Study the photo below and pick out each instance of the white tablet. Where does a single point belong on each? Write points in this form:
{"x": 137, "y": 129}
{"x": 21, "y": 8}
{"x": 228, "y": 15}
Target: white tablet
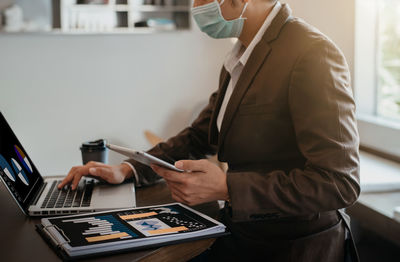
{"x": 142, "y": 157}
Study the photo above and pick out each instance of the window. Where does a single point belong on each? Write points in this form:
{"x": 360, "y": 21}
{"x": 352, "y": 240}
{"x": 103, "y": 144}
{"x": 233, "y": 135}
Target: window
{"x": 388, "y": 59}
{"x": 377, "y": 74}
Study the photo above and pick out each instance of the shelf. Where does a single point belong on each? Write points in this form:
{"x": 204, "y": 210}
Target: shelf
{"x": 117, "y": 31}
{"x": 151, "y": 8}
{"x": 123, "y": 14}
{"x": 154, "y": 8}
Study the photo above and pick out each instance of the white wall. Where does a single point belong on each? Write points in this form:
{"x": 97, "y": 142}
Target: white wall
{"x": 57, "y": 91}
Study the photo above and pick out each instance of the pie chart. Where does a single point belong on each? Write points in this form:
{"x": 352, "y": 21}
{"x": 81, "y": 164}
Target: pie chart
{"x": 22, "y": 157}
{"x": 6, "y": 168}
{"x": 21, "y": 174}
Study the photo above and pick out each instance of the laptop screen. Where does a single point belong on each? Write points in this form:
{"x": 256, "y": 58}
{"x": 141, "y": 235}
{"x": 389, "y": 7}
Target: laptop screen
{"x": 16, "y": 168}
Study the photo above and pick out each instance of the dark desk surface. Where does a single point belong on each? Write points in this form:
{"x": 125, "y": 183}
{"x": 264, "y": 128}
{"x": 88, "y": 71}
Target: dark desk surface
{"x": 375, "y": 212}
{"x": 20, "y": 241}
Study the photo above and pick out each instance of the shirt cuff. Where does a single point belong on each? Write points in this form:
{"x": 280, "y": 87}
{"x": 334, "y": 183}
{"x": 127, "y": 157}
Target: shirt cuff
{"x": 135, "y": 174}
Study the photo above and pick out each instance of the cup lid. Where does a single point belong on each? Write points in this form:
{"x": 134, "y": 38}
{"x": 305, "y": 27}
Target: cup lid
{"x": 99, "y": 144}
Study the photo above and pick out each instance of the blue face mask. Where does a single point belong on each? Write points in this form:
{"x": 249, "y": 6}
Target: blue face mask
{"x": 210, "y": 21}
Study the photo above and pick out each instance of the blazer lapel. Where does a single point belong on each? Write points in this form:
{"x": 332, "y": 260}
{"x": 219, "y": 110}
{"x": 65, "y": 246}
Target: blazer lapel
{"x": 256, "y": 59}
{"x": 213, "y": 130}
{"x": 250, "y": 69}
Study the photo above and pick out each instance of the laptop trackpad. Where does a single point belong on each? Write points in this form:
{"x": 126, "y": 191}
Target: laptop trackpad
{"x": 107, "y": 196}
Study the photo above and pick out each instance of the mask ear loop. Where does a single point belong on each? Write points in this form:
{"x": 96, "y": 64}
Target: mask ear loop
{"x": 221, "y": 2}
{"x": 244, "y": 9}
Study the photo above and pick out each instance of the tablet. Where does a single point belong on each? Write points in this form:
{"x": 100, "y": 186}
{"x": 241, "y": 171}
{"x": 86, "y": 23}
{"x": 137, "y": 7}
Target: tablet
{"x": 142, "y": 157}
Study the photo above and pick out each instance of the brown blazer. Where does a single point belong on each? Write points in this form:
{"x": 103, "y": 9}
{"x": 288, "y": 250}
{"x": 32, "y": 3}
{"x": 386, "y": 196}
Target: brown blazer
{"x": 289, "y": 137}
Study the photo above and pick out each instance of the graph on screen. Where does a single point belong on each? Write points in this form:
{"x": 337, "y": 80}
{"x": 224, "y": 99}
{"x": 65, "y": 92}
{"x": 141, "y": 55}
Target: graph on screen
{"x": 24, "y": 160}
{"x": 7, "y": 168}
{"x": 17, "y": 170}
{"x": 20, "y": 172}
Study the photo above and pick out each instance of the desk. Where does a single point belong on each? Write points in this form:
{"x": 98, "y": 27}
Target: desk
{"x": 20, "y": 241}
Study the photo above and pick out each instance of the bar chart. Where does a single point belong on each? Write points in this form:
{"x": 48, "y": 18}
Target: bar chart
{"x": 101, "y": 228}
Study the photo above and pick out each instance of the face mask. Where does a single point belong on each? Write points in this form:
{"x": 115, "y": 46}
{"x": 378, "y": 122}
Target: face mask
{"x": 210, "y": 21}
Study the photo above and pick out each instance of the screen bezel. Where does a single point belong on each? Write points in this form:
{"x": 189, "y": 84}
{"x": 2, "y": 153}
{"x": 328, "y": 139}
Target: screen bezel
{"x": 39, "y": 182}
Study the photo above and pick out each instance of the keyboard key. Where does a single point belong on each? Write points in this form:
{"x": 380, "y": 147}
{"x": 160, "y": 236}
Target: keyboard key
{"x": 70, "y": 198}
{"x": 79, "y": 193}
{"x": 61, "y": 198}
{"x": 53, "y": 198}
{"x": 88, "y": 195}
{"x": 47, "y": 197}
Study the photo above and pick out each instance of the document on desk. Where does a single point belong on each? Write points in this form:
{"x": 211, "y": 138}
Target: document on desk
{"x": 80, "y": 236}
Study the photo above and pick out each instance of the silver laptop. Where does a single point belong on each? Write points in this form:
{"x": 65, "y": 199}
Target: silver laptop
{"x": 39, "y": 196}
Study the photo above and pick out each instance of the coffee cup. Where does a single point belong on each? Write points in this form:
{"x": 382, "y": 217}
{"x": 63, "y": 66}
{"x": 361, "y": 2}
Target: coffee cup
{"x": 94, "y": 151}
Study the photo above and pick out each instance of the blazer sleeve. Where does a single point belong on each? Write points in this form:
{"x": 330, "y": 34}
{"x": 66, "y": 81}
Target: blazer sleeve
{"x": 323, "y": 115}
{"x": 190, "y": 143}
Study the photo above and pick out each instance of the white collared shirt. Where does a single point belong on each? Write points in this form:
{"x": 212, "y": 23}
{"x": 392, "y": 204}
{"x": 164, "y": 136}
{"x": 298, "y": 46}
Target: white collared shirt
{"x": 237, "y": 58}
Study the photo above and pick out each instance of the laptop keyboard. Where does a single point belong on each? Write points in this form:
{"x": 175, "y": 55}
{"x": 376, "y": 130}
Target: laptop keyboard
{"x": 65, "y": 197}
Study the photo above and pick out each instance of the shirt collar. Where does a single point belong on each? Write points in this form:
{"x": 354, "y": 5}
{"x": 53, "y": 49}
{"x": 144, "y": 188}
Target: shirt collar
{"x": 238, "y": 53}
{"x": 234, "y": 56}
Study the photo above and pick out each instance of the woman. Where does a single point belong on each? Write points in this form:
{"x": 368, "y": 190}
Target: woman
{"x": 283, "y": 119}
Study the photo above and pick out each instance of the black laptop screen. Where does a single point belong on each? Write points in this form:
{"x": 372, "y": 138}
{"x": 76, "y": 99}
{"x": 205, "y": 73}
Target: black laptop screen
{"x": 17, "y": 170}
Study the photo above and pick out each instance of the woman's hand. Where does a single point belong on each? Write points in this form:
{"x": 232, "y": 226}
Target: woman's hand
{"x": 202, "y": 182}
{"x": 111, "y": 174}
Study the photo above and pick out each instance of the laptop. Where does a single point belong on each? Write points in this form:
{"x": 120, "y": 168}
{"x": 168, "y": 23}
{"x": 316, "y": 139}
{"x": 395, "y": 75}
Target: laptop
{"x": 39, "y": 196}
